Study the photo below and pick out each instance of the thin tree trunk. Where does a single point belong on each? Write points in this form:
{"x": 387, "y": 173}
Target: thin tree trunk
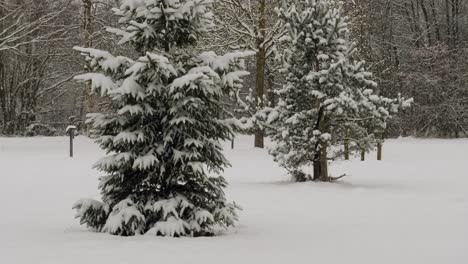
{"x": 435, "y": 20}
{"x": 317, "y": 162}
{"x": 260, "y": 71}
{"x": 414, "y": 18}
{"x": 324, "y": 162}
{"x": 2, "y": 81}
{"x": 270, "y": 89}
{"x": 346, "y": 145}
{"x": 427, "y": 23}
{"x": 456, "y": 22}
{"x": 87, "y": 43}
{"x": 323, "y": 150}
{"x": 449, "y": 22}
{"x": 317, "y": 167}
{"x": 363, "y": 155}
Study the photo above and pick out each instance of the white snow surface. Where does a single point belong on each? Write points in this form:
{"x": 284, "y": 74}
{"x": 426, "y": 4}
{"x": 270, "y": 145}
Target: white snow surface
{"x": 411, "y": 208}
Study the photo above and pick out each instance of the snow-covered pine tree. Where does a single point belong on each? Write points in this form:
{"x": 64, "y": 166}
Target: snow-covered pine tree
{"x": 163, "y": 131}
{"x": 327, "y": 95}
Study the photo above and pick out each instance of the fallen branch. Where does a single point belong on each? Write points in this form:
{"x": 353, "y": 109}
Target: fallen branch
{"x": 333, "y": 179}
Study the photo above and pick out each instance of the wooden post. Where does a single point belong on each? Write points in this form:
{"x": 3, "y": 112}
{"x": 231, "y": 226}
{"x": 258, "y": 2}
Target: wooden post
{"x": 71, "y": 133}
{"x": 71, "y": 145}
{"x": 379, "y": 151}
{"x": 346, "y": 145}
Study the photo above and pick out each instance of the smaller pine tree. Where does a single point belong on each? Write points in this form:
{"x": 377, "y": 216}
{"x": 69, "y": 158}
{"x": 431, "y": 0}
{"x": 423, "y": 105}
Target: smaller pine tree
{"x": 162, "y": 133}
{"x": 327, "y": 96}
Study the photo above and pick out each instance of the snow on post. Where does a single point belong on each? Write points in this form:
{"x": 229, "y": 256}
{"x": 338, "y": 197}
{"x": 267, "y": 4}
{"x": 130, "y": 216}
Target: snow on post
{"x": 70, "y": 130}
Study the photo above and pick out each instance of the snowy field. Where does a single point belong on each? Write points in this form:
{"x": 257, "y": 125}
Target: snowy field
{"x": 410, "y": 208}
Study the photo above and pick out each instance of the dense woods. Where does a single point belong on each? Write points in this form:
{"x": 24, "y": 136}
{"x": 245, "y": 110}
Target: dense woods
{"x": 413, "y": 47}
{"x": 418, "y": 48}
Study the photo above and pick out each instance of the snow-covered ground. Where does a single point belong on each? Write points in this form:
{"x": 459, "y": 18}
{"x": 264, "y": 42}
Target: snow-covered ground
{"x": 411, "y": 208}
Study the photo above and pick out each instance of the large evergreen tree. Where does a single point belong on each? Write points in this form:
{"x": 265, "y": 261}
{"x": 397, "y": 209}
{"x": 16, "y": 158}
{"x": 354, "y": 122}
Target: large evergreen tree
{"x": 327, "y": 96}
{"x": 164, "y": 127}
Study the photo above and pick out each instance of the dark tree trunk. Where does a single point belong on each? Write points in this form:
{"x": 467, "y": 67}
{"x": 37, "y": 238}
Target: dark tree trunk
{"x": 379, "y": 151}
{"x": 260, "y": 70}
{"x": 435, "y": 20}
{"x": 380, "y": 141}
{"x": 346, "y": 145}
{"x": 87, "y": 43}
{"x": 317, "y": 167}
{"x": 427, "y": 22}
{"x": 259, "y": 139}
{"x": 321, "y": 158}
{"x": 449, "y": 23}
{"x": 324, "y": 162}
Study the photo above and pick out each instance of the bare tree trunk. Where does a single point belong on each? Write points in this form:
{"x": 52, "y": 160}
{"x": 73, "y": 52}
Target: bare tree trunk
{"x": 435, "y": 20}
{"x": 346, "y": 145}
{"x": 260, "y": 71}
{"x": 323, "y": 151}
{"x": 317, "y": 167}
{"x": 324, "y": 162}
{"x": 317, "y": 148}
{"x": 87, "y": 43}
{"x": 456, "y": 22}
{"x": 2, "y": 81}
{"x": 449, "y": 23}
{"x": 414, "y": 18}
{"x": 259, "y": 138}
{"x": 379, "y": 151}
{"x": 380, "y": 141}
{"x": 270, "y": 89}
{"x": 363, "y": 155}
{"x": 427, "y": 22}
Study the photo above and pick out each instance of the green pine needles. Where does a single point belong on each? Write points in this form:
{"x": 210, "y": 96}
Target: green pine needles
{"x": 329, "y": 98}
{"x": 163, "y": 171}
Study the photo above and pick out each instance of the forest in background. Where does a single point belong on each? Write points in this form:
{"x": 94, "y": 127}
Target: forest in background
{"x": 413, "y": 47}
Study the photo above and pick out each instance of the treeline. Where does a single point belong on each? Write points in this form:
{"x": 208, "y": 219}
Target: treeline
{"x": 37, "y": 64}
{"x": 418, "y": 48}
{"x": 414, "y": 47}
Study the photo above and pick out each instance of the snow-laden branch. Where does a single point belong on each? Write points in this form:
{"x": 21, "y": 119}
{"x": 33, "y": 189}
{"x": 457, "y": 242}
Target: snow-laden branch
{"x": 19, "y": 28}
